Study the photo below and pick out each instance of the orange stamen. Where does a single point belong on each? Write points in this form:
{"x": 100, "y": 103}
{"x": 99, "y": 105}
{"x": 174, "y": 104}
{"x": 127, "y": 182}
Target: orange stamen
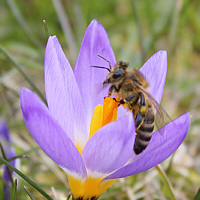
{"x": 103, "y": 114}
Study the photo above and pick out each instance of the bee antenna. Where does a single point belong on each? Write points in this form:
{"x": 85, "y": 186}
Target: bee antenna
{"x": 100, "y": 67}
{"x": 105, "y": 60}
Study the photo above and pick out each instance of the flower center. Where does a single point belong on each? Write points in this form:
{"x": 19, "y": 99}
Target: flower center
{"x": 93, "y": 187}
{"x": 103, "y": 115}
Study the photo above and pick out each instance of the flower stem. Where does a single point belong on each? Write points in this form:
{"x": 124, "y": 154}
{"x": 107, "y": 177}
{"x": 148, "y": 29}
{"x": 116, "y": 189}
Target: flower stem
{"x": 166, "y": 182}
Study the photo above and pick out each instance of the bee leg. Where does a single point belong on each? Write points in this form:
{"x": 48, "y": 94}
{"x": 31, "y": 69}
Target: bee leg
{"x": 142, "y": 112}
{"x": 139, "y": 120}
{"x": 127, "y": 99}
{"x": 142, "y": 99}
{"x": 144, "y": 123}
{"x": 112, "y": 87}
{"x": 117, "y": 101}
{"x": 143, "y": 106}
{"x": 130, "y": 98}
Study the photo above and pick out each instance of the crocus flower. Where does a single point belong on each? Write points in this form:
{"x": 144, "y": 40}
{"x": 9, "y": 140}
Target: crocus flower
{"x": 86, "y": 135}
{"x": 9, "y": 153}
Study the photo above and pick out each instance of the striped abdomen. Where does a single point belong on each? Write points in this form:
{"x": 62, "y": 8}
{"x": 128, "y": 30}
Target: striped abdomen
{"x": 144, "y": 132}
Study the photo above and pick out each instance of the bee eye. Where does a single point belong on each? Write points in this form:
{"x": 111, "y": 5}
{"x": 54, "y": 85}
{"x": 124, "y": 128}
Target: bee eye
{"x": 117, "y": 75}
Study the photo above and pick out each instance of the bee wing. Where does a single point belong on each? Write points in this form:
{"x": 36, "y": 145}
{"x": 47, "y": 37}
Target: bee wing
{"x": 162, "y": 117}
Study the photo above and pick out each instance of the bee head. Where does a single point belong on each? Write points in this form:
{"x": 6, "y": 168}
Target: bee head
{"x": 116, "y": 74}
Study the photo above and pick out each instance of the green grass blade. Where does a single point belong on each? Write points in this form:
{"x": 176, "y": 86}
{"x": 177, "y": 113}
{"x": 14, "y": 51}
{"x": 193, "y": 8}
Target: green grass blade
{"x": 19, "y": 68}
{"x": 25, "y": 26}
{"x": 166, "y": 182}
{"x": 69, "y": 196}
{"x": 7, "y": 168}
{"x": 17, "y": 157}
{"x": 28, "y": 180}
{"x": 29, "y": 194}
{"x": 64, "y": 21}
{"x": 197, "y": 197}
{"x": 10, "y": 89}
{"x": 140, "y": 31}
{"x": 170, "y": 164}
{"x": 46, "y": 29}
{"x": 13, "y": 197}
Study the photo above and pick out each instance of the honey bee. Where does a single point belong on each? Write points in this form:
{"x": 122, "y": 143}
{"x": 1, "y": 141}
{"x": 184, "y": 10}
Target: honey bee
{"x": 131, "y": 87}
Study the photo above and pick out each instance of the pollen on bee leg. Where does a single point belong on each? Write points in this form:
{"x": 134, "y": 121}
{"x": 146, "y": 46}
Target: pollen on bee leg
{"x": 135, "y": 133}
{"x": 143, "y": 110}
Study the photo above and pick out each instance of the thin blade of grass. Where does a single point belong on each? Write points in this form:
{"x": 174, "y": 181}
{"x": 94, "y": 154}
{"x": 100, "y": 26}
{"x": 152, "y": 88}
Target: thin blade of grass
{"x": 10, "y": 89}
{"x": 166, "y": 182}
{"x": 29, "y": 194}
{"x": 19, "y": 68}
{"x": 66, "y": 28}
{"x": 21, "y": 20}
{"x": 46, "y": 29}
{"x": 28, "y": 180}
{"x": 174, "y": 24}
{"x": 34, "y": 149}
{"x": 140, "y": 31}
{"x": 7, "y": 168}
{"x": 197, "y": 197}
{"x": 170, "y": 164}
{"x": 17, "y": 157}
{"x": 69, "y": 196}
{"x": 13, "y": 197}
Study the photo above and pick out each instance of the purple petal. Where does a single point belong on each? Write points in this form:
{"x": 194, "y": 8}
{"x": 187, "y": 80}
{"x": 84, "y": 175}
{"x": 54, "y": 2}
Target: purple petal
{"x": 155, "y": 71}
{"x": 5, "y": 138}
{"x": 159, "y": 148}
{"x": 111, "y": 146}
{"x": 62, "y": 92}
{"x": 4, "y": 132}
{"x": 89, "y": 79}
{"x": 49, "y": 135}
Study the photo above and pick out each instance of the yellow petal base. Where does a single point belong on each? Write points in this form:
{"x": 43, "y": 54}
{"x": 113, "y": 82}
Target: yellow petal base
{"x": 92, "y": 188}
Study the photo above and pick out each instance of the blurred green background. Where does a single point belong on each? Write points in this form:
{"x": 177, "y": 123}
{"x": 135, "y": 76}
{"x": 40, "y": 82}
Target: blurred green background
{"x": 136, "y": 29}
